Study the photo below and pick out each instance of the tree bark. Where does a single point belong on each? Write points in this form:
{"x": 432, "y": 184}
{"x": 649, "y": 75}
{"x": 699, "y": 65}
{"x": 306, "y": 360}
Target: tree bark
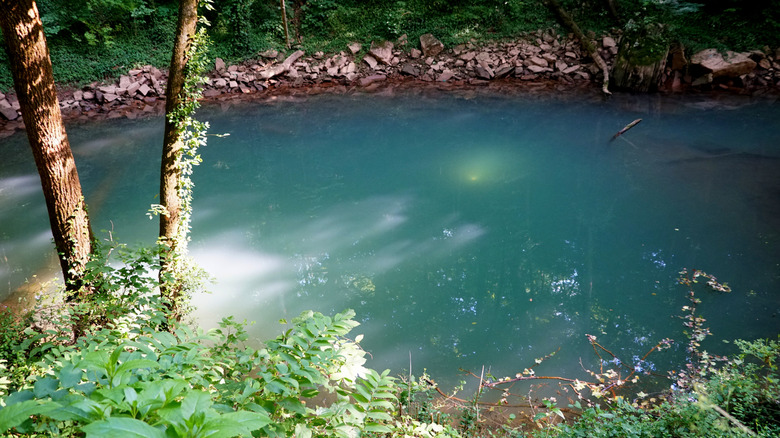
{"x": 284, "y": 22}
{"x": 586, "y": 43}
{"x": 170, "y": 173}
{"x": 34, "y": 83}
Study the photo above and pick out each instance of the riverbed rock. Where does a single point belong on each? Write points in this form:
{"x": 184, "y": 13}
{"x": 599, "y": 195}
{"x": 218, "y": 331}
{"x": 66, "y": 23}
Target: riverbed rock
{"x": 371, "y": 61}
{"x": 355, "y": 47}
{"x": 731, "y": 65}
{"x": 371, "y": 79}
{"x": 430, "y": 45}
{"x": 410, "y": 69}
{"x": 7, "y": 112}
{"x": 219, "y": 65}
{"x": 382, "y": 52}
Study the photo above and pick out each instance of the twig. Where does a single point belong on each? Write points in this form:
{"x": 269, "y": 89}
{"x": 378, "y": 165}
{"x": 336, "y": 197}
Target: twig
{"x": 626, "y": 128}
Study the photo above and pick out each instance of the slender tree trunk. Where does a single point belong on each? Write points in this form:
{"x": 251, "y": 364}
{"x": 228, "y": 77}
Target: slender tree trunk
{"x": 284, "y": 22}
{"x": 585, "y": 41}
{"x": 170, "y": 174}
{"x": 34, "y": 83}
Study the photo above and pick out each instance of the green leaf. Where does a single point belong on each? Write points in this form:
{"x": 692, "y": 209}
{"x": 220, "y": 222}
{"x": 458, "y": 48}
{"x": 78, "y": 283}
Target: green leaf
{"x": 70, "y": 376}
{"x": 377, "y": 428}
{"x": 16, "y": 414}
{"x": 195, "y": 401}
{"x": 118, "y": 427}
{"x": 45, "y": 387}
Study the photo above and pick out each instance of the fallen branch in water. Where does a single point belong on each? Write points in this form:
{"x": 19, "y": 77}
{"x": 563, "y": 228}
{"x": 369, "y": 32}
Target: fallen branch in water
{"x": 626, "y": 128}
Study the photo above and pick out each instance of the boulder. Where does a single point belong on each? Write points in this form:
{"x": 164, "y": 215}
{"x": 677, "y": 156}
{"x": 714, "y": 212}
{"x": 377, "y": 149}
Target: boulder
{"x": 382, "y": 52}
{"x": 731, "y": 65}
{"x": 445, "y": 76}
{"x": 430, "y": 45}
{"x": 482, "y": 72}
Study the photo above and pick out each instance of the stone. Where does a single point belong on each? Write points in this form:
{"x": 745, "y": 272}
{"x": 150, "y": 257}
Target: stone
{"x": 560, "y": 65}
{"x": 371, "y": 61}
{"x": 108, "y": 89}
{"x": 355, "y": 47}
{"x": 233, "y": 84}
{"x": 703, "y": 80}
{"x": 430, "y": 45}
{"x": 382, "y": 52}
{"x": 415, "y": 53}
{"x": 371, "y": 79}
{"x": 445, "y": 76}
{"x": 109, "y": 97}
{"x": 402, "y": 40}
{"x": 124, "y": 81}
{"x": 219, "y": 65}
{"x": 410, "y": 69}
{"x": 571, "y": 69}
{"x": 135, "y": 86}
{"x": 537, "y": 61}
{"x": 269, "y": 54}
{"x": 468, "y": 56}
{"x": 144, "y": 89}
{"x": 8, "y": 113}
{"x": 78, "y": 95}
{"x": 482, "y": 72}
{"x": 537, "y": 69}
{"x": 732, "y": 65}
{"x": 608, "y": 42}
{"x": 765, "y": 64}
{"x": 504, "y": 70}
{"x": 88, "y": 95}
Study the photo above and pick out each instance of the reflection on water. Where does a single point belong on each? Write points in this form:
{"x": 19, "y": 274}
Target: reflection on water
{"x": 465, "y": 232}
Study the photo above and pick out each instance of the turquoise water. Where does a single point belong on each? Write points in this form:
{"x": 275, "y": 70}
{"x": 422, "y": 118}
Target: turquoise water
{"x": 464, "y": 230}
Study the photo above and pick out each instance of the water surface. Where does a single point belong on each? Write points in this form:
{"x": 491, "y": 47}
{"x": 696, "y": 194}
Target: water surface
{"x": 465, "y": 231}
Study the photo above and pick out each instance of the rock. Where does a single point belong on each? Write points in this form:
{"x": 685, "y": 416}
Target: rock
{"x": 430, "y": 45}
{"x": 537, "y": 61}
{"x": 732, "y": 65}
{"x": 371, "y": 61}
{"x": 108, "y": 89}
{"x": 560, "y": 65}
{"x": 608, "y": 42}
{"x": 537, "y": 69}
{"x": 445, "y": 76}
{"x": 219, "y": 65}
{"x": 504, "y": 70}
{"x": 571, "y": 69}
{"x": 232, "y": 68}
{"x": 382, "y": 52}
{"x": 109, "y": 97}
{"x": 355, "y": 47}
{"x": 703, "y": 80}
{"x": 144, "y": 90}
{"x": 371, "y": 79}
{"x": 468, "y": 56}
{"x": 88, "y": 95}
{"x": 135, "y": 86}
{"x": 8, "y": 113}
{"x": 765, "y": 64}
{"x": 78, "y": 95}
{"x": 268, "y": 54}
{"x": 482, "y": 72}
{"x": 410, "y": 69}
{"x": 415, "y": 54}
{"x": 124, "y": 81}
{"x": 233, "y": 84}
{"x": 402, "y": 40}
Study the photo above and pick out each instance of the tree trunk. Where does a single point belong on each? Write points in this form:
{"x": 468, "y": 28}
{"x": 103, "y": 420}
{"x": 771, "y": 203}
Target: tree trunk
{"x": 284, "y": 22}
{"x": 34, "y": 83}
{"x": 584, "y": 41}
{"x": 170, "y": 173}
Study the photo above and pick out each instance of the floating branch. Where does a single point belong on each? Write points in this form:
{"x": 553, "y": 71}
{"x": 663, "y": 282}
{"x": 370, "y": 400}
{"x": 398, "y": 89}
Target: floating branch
{"x": 626, "y": 128}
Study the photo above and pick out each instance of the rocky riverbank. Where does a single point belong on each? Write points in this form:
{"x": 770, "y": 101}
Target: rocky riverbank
{"x": 542, "y": 59}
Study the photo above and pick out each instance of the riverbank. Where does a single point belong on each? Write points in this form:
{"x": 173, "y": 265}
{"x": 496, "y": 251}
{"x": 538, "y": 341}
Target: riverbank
{"x": 542, "y": 62}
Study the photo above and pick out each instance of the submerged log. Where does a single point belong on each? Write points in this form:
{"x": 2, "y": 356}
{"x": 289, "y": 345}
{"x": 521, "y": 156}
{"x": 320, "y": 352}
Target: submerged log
{"x": 641, "y": 59}
{"x": 586, "y": 43}
{"x": 626, "y": 128}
